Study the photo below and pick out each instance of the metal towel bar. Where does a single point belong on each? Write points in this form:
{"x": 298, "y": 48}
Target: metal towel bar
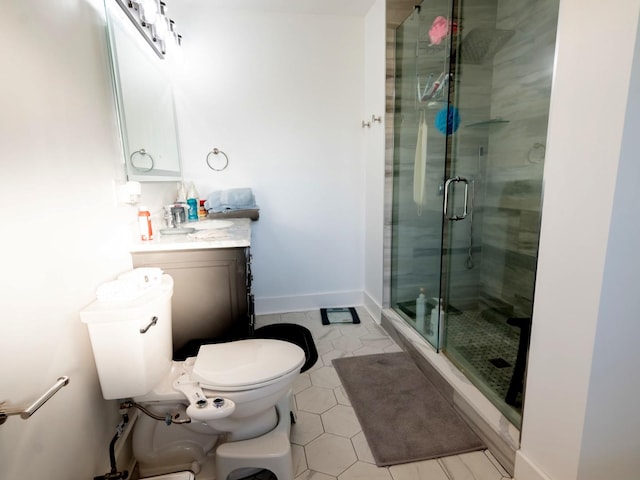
{"x": 31, "y": 409}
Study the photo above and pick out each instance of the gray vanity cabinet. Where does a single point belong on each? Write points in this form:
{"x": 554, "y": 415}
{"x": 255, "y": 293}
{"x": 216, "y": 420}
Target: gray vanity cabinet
{"x": 212, "y": 291}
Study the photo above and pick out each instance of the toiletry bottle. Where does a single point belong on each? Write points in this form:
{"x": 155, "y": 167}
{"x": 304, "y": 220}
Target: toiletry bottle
{"x": 192, "y": 202}
{"x": 420, "y": 311}
{"x": 144, "y": 223}
{"x": 168, "y": 217}
{"x": 437, "y": 317}
{"x": 433, "y": 324}
{"x": 179, "y": 217}
{"x": 442, "y": 322}
{"x": 181, "y": 196}
{"x": 202, "y": 211}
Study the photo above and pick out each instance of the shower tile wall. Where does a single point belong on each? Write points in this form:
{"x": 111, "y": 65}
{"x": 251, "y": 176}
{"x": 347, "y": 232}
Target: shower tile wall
{"x": 417, "y": 240}
{"x": 472, "y": 96}
{"x": 522, "y": 74}
{"x": 515, "y": 87}
{"x": 396, "y": 12}
{"x": 504, "y": 160}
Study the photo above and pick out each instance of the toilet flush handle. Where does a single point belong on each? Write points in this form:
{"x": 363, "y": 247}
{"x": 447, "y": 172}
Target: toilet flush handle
{"x": 153, "y": 321}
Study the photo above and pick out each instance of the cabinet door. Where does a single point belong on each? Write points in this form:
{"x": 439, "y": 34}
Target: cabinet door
{"x": 209, "y": 294}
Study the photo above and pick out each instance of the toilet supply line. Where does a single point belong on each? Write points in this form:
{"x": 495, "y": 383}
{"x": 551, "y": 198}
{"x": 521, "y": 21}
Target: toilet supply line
{"x": 114, "y": 474}
{"x": 168, "y": 418}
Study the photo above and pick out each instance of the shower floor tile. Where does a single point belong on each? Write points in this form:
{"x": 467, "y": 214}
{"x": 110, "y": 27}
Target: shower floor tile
{"x": 484, "y": 348}
{"x": 487, "y": 348}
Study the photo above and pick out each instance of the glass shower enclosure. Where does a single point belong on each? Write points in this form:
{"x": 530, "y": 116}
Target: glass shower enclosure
{"x": 473, "y": 81}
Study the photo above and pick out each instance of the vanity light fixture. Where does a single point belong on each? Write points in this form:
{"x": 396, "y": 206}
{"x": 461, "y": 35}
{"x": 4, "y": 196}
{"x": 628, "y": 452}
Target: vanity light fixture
{"x": 150, "y": 19}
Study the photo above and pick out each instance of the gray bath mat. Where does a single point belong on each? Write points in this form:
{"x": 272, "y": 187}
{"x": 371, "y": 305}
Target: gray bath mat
{"x": 403, "y": 417}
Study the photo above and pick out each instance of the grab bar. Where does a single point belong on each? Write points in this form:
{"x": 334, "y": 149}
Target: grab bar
{"x": 31, "y": 409}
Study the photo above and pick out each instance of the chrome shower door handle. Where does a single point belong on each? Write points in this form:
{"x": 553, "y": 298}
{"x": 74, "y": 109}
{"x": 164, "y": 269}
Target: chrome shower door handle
{"x": 447, "y": 184}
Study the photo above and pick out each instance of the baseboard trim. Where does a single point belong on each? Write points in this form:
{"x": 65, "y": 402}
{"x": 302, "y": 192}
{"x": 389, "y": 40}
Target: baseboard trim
{"x": 373, "y": 308}
{"x": 525, "y": 469}
{"x": 300, "y": 303}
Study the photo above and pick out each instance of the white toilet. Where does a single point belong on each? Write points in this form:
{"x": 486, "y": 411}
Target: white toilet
{"x": 229, "y": 391}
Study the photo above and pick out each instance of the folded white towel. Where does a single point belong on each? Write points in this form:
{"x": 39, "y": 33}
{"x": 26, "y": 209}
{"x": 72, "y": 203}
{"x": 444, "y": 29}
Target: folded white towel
{"x": 143, "y": 277}
{"x": 236, "y": 196}
{"x": 129, "y": 285}
{"x": 118, "y": 291}
{"x": 232, "y": 199}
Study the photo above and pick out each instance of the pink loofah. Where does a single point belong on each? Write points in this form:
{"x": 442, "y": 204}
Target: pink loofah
{"x": 439, "y": 30}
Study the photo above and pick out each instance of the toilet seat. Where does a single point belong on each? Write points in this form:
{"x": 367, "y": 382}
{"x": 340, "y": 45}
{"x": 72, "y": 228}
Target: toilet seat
{"x": 245, "y": 364}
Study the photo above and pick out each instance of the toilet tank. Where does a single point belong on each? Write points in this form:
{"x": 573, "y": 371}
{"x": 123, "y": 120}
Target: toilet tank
{"x": 131, "y": 340}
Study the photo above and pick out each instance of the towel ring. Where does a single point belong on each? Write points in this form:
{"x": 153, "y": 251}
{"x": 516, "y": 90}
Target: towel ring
{"x": 216, "y": 151}
{"x": 537, "y": 153}
{"x": 143, "y": 153}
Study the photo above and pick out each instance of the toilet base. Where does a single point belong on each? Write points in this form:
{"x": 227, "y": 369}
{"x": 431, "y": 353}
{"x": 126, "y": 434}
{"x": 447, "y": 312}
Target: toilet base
{"x": 237, "y": 459}
{"x": 271, "y": 451}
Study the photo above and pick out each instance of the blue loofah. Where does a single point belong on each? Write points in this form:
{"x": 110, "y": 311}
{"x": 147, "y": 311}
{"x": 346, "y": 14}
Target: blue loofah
{"x": 448, "y": 120}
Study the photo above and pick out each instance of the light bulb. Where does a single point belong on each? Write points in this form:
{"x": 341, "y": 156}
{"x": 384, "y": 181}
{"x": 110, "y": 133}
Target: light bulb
{"x": 160, "y": 28}
{"x": 149, "y": 11}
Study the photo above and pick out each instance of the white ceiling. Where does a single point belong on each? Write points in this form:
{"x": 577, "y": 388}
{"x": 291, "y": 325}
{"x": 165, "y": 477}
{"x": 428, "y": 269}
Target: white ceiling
{"x": 319, "y": 7}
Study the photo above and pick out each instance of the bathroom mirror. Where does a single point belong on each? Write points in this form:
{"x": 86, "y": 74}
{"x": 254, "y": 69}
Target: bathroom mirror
{"x": 144, "y": 102}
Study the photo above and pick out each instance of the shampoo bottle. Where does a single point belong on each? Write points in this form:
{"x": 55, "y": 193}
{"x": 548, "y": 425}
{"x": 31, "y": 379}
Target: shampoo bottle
{"x": 437, "y": 317}
{"x": 420, "y": 311}
{"x": 144, "y": 223}
{"x": 192, "y": 202}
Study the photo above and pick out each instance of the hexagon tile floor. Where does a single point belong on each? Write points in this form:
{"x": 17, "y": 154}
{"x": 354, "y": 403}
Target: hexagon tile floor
{"x": 327, "y": 441}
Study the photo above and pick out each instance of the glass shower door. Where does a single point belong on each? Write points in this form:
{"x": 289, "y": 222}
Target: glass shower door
{"x": 493, "y": 191}
{"x": 421, "y": 92}
{"x": 472, "y": 87}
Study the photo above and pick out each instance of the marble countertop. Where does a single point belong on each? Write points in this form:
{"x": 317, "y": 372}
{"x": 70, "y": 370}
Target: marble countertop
{"x": 209, "y": 234}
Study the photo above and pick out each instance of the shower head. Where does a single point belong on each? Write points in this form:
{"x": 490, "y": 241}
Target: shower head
{"x": 481, "y": 44}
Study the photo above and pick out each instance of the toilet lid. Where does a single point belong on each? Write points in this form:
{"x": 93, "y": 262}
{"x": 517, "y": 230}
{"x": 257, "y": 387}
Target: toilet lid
{"x": 245, "y": 363}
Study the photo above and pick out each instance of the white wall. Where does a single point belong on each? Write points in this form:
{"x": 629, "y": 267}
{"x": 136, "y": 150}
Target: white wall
{"x": 374, "y": 156}
{"x": 611, "y": 442}
{"x": 62, "y": 234}
{"x": 582, "y": 382}
{"x": 282, "y": 95}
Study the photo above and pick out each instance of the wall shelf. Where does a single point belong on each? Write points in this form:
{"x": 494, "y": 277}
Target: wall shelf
{"x": 488, "y": 123}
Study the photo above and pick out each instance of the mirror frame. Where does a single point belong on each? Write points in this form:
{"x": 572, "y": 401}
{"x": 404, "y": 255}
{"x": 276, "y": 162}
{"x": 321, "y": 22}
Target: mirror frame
{"x": 141, "y": 160}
